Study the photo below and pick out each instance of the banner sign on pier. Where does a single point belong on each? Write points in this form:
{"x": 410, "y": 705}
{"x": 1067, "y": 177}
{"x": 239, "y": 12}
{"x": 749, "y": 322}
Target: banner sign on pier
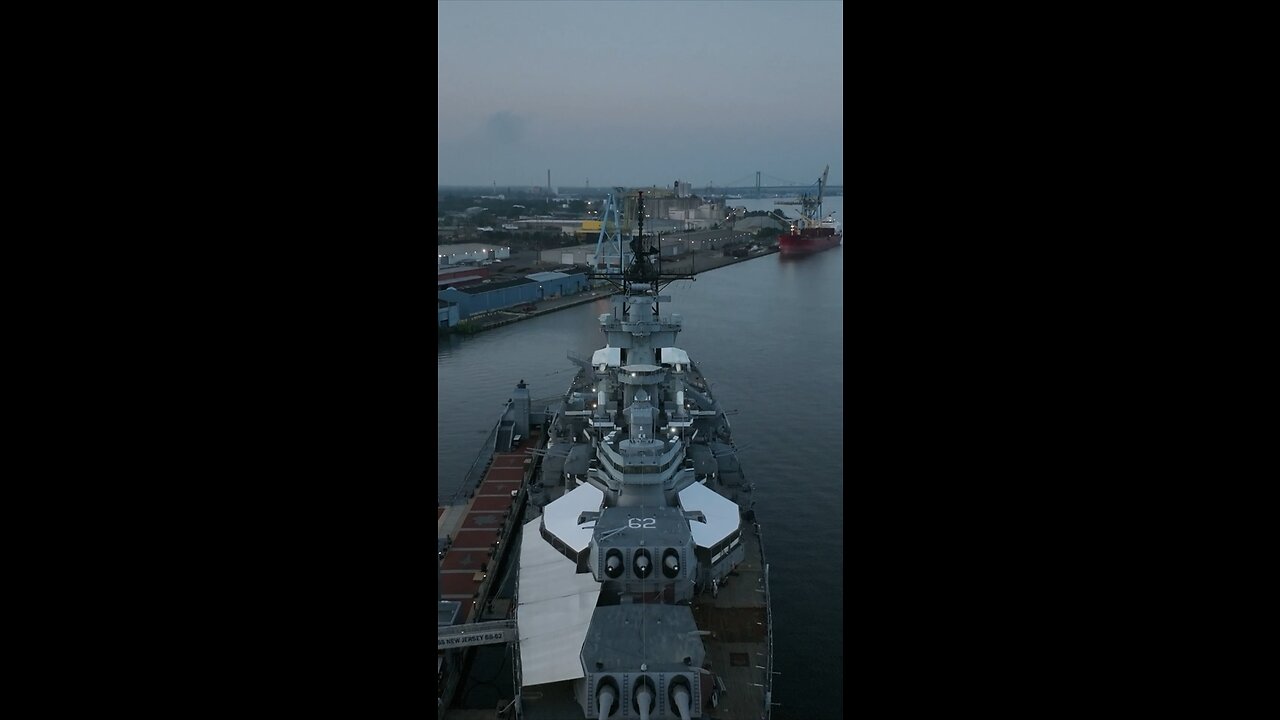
{"x": 460, "y": 636}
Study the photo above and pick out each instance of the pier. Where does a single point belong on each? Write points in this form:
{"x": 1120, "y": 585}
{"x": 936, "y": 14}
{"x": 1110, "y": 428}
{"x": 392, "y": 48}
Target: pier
{"x": 473, "y": 532}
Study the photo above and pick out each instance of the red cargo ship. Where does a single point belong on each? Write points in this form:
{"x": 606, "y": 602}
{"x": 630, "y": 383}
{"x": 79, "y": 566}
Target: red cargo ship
{"x": 809, "y": 234}
{"x": 801, "y": 241}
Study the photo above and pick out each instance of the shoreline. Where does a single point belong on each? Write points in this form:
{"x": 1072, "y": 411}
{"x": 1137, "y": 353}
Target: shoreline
{"x": 499, "y": 318}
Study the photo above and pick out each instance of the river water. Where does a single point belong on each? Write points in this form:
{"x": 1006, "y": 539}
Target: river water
{"x": 769, "y": 335}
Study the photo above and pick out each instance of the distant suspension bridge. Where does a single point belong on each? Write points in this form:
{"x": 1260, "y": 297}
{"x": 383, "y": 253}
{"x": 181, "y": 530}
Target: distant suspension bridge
{"x": 759, "y": 184}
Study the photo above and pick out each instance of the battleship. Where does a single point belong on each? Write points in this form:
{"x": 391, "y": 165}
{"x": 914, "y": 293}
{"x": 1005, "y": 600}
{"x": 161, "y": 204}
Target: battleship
{"x": 641, "y": 586}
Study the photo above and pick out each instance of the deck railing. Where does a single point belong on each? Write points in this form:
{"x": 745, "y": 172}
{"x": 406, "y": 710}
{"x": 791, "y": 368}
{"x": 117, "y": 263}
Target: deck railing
{"x": 768, "y": 621}
{"x": 472, "y": 479}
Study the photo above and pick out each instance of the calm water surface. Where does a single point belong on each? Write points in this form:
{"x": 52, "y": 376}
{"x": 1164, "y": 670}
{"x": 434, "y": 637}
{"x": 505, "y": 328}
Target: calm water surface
{"x": 768, "y": 334}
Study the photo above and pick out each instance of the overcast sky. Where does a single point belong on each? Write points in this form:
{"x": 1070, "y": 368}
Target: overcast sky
{"x": 640, "y": 92}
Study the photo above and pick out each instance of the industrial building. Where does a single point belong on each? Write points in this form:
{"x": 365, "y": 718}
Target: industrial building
{"x": 474, "y": 252}
{"x": 755, "y": 222}
{"x": 460, "y": 275}
{"x": 488, "y": 296}
{"x": 447, "y": 313}
{"x": 576, "y": 255}
{"x": 565, "y": 226}
{"x": 665, "y": 209}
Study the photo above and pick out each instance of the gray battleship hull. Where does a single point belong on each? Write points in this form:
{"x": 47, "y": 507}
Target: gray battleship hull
{"x": 641, "y": 474}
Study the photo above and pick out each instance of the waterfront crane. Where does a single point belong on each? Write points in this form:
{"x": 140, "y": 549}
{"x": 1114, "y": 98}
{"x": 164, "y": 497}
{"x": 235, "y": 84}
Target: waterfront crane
{"x": 811, "y": 208}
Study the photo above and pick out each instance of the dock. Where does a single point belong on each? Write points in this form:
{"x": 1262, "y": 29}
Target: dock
{"x": 472, "y": 536}
{"x": 474, "y": 530}
{"x": 694, "y": 263}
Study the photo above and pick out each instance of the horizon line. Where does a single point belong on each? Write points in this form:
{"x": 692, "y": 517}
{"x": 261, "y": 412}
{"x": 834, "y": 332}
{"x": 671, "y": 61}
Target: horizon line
{"x": 613, "y": 185}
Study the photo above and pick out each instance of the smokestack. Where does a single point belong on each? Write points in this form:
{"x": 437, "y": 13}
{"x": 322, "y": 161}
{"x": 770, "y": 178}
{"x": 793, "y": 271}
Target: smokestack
{"x": 548, "y": 181}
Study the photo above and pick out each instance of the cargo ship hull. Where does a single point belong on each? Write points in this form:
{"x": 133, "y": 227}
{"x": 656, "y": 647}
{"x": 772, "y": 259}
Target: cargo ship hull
{"x": 809, "y": 241}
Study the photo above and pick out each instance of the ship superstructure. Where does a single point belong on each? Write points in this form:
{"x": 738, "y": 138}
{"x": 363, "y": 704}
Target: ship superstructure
{"x": 642, "y": 589}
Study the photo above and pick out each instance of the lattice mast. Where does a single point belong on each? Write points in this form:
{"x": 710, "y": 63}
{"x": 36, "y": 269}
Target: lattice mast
{"x": 643, "y": 267}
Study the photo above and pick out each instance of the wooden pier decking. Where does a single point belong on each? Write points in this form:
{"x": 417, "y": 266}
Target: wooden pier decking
{"x": 478, "y": 527}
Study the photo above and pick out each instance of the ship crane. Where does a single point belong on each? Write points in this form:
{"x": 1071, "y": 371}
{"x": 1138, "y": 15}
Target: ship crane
{"x": 811, "y": 208}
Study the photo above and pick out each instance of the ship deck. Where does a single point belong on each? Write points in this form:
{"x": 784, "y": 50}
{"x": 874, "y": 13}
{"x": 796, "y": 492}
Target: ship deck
{"x": 737, "y": 619}
{"x": 738, "y": 645}
{"x": 737, "y": 648}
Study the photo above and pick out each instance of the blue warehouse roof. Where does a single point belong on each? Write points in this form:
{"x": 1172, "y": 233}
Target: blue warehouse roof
{"x": 474, "y": 289}
{"x": 545, "y": 276}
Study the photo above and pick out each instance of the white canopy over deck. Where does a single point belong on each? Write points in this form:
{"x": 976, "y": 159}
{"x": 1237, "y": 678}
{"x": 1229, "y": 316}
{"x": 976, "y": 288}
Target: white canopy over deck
{"x": 554, "y": 612}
